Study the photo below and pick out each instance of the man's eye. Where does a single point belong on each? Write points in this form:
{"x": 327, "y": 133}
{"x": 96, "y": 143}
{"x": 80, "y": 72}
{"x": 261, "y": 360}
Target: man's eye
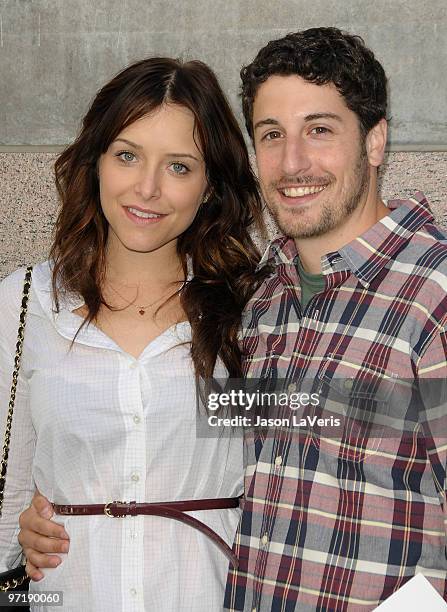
{"x": 179, "y": 168}
{"x": 272, "y": 135}
{"x": 320, "y": 130}
{"x": 126, "y": 156}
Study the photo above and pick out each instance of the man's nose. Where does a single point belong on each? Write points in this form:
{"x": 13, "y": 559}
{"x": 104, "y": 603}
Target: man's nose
{"x": 296, "y": 158}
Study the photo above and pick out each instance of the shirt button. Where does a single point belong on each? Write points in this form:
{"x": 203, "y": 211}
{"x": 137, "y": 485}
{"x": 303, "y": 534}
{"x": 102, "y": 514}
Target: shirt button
{"x": 133, "y": 592}
{"x": 136, "y": 419}
{"x": 278, "y": 460}
{"x": 264, "y": 539}
{"x": 291, "y": 388}
{"x": 349, "y": 383}
{"x": 135, "y": 477}
{"x": 133, "y": 365}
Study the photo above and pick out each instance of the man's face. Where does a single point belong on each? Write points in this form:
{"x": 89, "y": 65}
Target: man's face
{"x": 312, "y": 161}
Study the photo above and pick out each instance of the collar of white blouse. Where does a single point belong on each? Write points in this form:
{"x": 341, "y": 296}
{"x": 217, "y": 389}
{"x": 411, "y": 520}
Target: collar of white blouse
{"x": 67, "y": 323}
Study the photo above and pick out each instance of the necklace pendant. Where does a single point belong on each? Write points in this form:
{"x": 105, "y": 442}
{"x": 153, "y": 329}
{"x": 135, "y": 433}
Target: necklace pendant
{"x": 141, "y": 311}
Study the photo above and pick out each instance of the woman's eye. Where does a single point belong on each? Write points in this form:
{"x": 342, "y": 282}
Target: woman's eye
{"x": 179, "y": 168}
{"x": 126, "y": 156}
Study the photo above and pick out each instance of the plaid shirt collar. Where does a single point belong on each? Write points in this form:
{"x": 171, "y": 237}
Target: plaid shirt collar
{"x": 367, "y": 254}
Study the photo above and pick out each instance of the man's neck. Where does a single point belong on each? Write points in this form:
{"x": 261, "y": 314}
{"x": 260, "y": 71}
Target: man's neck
{"x": 311, "y": 250}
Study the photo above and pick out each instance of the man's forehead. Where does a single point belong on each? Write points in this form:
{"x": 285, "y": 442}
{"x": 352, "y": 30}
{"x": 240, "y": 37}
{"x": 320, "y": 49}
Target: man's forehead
{"x": 291, "y": 94}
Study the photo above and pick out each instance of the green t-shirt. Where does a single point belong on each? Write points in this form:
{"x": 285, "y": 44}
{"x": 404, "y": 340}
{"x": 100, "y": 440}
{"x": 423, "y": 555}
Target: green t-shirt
{"x": 311, "y": 284}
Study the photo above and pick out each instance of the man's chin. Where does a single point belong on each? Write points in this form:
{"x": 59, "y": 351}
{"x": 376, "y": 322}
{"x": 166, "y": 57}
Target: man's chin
{"x": 295, "y": 224}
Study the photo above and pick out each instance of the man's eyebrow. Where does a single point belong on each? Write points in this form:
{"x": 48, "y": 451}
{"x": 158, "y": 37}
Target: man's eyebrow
{"x": 314, "y": 116}
{"x": 267, "y": 121}
{"x": 307, "y": 118}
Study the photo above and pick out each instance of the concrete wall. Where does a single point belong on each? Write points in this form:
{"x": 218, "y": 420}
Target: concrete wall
{"x": 54, "y": 54}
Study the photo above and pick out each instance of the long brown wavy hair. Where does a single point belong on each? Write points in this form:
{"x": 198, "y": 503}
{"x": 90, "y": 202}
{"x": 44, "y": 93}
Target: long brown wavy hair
{"x": 223, "y": 255}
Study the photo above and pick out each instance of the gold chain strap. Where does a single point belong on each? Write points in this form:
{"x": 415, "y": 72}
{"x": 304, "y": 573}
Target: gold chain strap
{"x": 15, "y": 376}
{"x": 13, "y": 584}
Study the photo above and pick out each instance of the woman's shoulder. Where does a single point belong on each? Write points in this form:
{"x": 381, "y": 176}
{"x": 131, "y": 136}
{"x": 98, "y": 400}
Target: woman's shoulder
{"x": 11, "y": 287}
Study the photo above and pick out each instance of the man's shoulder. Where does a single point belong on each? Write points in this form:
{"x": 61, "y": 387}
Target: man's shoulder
{"x": 427, "y": 247}
{"x": 414, "y": 236}
{"x": 435, "y": 234}
{"x": 419, "y": 270}
{"x": 414, "y": 215}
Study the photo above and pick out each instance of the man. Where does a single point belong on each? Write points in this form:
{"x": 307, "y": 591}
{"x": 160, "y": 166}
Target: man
{"x": 357, "y": 296}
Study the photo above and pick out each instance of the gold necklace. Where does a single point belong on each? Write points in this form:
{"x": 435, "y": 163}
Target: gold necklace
{"x": 141, "y": 309}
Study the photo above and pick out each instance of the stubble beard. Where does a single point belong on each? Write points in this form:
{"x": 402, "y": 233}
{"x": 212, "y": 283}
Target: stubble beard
{"x": 330, "y": 216}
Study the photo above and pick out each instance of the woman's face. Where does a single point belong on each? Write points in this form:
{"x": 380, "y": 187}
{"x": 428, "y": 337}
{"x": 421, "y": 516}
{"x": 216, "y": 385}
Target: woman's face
{"x": 152, "y": 181}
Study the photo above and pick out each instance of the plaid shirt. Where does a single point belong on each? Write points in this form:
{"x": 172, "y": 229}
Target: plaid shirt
{"x": 326, "y": 529}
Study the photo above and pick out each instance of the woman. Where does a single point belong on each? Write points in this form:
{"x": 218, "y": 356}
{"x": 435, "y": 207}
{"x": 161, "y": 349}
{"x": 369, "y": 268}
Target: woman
{"x": 150, "y": 268}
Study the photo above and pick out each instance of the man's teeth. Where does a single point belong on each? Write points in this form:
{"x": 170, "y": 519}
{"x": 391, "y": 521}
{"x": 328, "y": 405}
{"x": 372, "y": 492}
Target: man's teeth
{"x": 143, "y": 215}
{"x": 297, "y": 192}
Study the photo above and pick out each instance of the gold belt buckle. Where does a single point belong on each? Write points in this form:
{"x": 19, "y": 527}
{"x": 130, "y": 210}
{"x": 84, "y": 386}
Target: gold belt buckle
{"x": 107, "y": 509}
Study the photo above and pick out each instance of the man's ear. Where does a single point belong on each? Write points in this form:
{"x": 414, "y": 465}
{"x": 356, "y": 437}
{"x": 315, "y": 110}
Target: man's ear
{"x": 376, "y": 142}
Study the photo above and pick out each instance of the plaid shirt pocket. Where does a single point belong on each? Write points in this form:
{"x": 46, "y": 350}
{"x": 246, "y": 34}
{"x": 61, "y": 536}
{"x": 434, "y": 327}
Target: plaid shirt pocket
{"x": 353, "y": 411}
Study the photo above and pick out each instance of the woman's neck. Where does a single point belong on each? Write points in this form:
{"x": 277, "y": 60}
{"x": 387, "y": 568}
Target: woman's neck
{"x": 158, "y": 268}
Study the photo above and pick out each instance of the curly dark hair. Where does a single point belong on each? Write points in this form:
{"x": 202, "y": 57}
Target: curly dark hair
{"x": 322, "y": 56}
{"x": 223, "y": 255}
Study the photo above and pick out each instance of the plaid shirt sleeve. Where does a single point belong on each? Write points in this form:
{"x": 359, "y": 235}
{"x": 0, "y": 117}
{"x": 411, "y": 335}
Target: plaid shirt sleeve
{"x": 432, "y": 371}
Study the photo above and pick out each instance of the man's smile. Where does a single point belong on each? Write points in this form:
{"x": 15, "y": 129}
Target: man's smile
{"x": 298, "y": 192}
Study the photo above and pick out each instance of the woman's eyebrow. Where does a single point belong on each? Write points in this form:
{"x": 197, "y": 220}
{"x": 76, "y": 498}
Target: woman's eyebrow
{"x": 128, "y": 142}
{"x": 137, "y": 146}
{"x": 182, "y": 155}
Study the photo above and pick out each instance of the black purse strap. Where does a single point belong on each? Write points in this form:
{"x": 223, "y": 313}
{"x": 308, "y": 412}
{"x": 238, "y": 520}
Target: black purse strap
{"x": 15, "y": 376}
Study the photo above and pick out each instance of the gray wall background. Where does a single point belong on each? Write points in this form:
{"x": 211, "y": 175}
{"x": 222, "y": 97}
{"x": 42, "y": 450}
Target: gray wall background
{"x": 55, "y": 54}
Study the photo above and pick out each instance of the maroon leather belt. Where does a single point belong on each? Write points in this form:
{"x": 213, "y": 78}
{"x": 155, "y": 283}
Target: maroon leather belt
{"x": 173, "y": 509}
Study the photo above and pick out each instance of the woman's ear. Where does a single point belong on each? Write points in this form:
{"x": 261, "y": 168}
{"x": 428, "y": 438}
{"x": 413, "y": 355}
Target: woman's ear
{"x": 208, "y": 195}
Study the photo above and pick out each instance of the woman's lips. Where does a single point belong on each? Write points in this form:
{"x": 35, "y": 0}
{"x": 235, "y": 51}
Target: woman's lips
{"x": 142, "y": 217}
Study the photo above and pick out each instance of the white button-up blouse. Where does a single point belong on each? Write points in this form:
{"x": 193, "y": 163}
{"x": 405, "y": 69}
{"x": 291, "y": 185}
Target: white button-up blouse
{"x": 93, "y": 424}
